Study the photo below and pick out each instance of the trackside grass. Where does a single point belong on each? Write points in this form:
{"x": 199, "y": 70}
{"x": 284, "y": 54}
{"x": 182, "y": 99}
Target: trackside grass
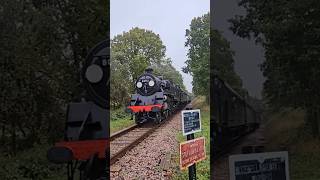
{"x": 119, "y": 120}
{"x": 203, "y": 167}
{"x": 287, "y": 131}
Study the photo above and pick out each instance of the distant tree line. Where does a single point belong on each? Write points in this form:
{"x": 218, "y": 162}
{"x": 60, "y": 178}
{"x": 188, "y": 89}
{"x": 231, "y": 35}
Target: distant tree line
{"x": 131, "y": 53}
{"x": 43, "y": 44}
{"x": 289, "y": 32}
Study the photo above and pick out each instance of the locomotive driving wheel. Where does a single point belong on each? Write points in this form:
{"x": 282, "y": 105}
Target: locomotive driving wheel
{"x": 158, "y": 117}
{"x": 165, "y": 114}
{"x": 138, "y": 119}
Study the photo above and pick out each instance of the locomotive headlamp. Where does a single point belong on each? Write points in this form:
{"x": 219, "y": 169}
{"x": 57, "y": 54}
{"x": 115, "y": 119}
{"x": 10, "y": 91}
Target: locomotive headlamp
{"x": 94, "y": 73}
{"x": 139, "y": 84}
{"x": 151, "y": 83}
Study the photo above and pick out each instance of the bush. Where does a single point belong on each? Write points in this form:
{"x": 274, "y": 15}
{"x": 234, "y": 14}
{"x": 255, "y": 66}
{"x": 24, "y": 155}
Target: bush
{"x": 30, "y": 164}
{"x": 118, "y": 114}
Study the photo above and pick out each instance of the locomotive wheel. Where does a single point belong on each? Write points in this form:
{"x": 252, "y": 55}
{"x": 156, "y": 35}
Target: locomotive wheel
{"x": 165, "y": 114}
{"x": 158, "y": 117}
{"x": 138, "y": 119}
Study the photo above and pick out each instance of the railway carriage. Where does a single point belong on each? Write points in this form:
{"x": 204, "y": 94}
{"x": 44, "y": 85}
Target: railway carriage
{"x": 252, "y": 118}
{"x": 232, "y": 117}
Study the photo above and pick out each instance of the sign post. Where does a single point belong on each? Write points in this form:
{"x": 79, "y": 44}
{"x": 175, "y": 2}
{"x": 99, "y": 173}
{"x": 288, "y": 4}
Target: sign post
{"x": 192, "y": 169}
{"x": 193, "y": 150}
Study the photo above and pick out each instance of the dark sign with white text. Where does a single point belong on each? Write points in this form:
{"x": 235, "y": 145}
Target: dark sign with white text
{"x": 191, "y": 121}
{"x": 259, "y": 166}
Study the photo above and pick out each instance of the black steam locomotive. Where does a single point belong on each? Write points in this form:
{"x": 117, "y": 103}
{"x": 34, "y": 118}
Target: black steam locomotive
{"x": 86, "y": 136}
{"x": 155, "y": 98}
{"x": 232, "y": 117}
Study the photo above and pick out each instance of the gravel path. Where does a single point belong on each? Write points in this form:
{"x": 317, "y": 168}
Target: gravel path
{"x": 221, "y": 166}
{"x": 148, "y": 160}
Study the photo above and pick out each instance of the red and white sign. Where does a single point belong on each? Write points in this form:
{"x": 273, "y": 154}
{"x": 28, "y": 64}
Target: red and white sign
{"x": 191, "y": 152}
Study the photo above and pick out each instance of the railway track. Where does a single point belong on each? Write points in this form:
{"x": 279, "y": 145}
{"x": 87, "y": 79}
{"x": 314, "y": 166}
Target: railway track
{"x": 126, "y": 139}
{"x": 220, "y": 163}
{"x": 228, "y": 147}
{"x": 240, "y": 140}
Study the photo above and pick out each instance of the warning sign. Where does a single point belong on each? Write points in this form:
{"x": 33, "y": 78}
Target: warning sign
{"x": 191, "y": 152}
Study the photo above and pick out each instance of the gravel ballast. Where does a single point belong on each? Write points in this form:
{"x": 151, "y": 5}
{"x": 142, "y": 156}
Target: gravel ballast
{"x": 149, "y": 159}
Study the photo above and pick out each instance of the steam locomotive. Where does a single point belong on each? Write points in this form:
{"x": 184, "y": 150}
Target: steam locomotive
{"x": 232, "y": 117}
{"x": 155, "y": 98}
{"x": 86, "y": 136}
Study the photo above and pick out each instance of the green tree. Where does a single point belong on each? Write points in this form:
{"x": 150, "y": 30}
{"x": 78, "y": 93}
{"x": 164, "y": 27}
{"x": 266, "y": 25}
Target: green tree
{"x": 39, "y": 65}
{"x": 29, "y": 61}
{"x": 120, "y": 84}
{"x": 43, "y": 45}
{"x": 223, "y": 62}
{"x": 198, "y": 57}
{"x": 138, "y": 48}
{"x": 131, "y": 53}
{"x": 288, "y": 30}
{"x": 82, "y": 24}
{"x": 197, "y": 63}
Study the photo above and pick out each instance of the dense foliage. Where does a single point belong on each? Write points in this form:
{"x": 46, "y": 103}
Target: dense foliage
{"x": 43, "y": 45}
{"x": 198, "y": 42}
{"x": 289, "y": 32}
{"x": 131, "y": 53}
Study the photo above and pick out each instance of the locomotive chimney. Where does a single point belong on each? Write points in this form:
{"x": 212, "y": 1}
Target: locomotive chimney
{"x": 149, "y": 70}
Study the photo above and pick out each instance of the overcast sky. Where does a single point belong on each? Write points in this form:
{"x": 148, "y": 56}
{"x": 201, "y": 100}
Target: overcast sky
{"x": 248, "y": 55}
{"x": 168, "y": 18}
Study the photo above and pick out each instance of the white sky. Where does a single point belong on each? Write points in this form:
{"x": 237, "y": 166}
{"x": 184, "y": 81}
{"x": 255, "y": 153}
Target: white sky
{"x": 168, "y": 18}
{"x": 248, "y": 55}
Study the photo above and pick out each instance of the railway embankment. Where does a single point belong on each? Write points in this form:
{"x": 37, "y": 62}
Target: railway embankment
{"x": 119, "y": 120}
{"x": 150, "y": 159}
{"x": 286, "y": 131}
